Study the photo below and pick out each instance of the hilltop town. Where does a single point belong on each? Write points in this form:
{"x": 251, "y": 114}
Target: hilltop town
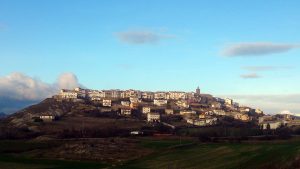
{"x": 194, "y": 108}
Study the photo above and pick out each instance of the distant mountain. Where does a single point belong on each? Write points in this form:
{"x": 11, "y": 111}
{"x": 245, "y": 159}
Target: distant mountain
{"x": 10, "y": 106}
{"x": 2, "y": 115}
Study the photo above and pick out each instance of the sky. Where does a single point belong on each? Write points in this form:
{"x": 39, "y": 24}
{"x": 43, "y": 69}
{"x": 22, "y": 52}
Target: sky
{"x": 245, "y": 50}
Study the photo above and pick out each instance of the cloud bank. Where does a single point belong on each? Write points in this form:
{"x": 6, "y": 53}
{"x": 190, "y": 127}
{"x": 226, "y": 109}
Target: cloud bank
{"x": 265, "y": 68}
{"x": 141, "y": 37}
{"x": 250, "y": 76}
{"x": 271, "y": 104}
{"x": 257, "y": 49}
{"x": 18, "y": 90}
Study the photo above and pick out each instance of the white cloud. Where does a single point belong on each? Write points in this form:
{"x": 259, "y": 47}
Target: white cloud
{"x": 142, "y": 37}
{"x": 270, "y": 103}
{"x": 250, "y": 76}
{"x": 17, "y": 88}
{"x": 265, "y": 68}
{"x": 257, "y": 48}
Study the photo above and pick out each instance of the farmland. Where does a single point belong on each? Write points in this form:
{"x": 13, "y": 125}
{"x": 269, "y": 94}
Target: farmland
{"x": 146, "y": 153}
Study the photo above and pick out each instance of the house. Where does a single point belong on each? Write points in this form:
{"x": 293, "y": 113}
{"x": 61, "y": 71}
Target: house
{"x": 169, "y": 111}
{"x": 125, "y": 112}
{"x": 258, "y": 111}
{"x": 153, "y": 117}
{"x": 146, "y": 110}
{"x": 196, "y": 122}
{"x": 68, "y": 94}
{"x": 94, "y": 95}
{"x": 147, "y": 95}
{"x": 160, "y": 95}
{"x": 182, "y": 104}
{"x": 187, "y": 112}
{"x": 106, "y": 103}
{"x": 273, "y": 124}
{"x": 219, "y": 112}
{"x": 47, "y": 117}
{"x": 136, "y": 133}
{"x": 175, "y": 95}
{"x": 134, "y": 99}
{"x": 160, "y": 102}
{"x": 242, "y": 117}
{"x": 125, "y": 103}
{"x": 228, "y": 101}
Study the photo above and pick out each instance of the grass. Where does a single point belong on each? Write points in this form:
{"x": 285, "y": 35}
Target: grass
{"x": 166, "y": 154}
{"x": 11, "y": 157}
{"x": 218, "y": 156}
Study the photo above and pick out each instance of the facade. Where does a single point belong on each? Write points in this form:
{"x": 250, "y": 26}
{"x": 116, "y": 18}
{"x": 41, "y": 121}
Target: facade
{"x": 68, "y": 94}
{"x": 106, "y": 103}
{"x": 153, "y": 117}
{"x": 187, "y": 112}
{"x": 160, "y": 102}
{"x": 125, "y": 103}
{"x": 177, "y": 95}
{"x": 169, "y": 111}
{"x": 242, "y": 117}
{"x": 228, "y": 101}
{"x": 182, "y": 104}
{"x": 126, "y": 112}
{"x": 146, "y": 110}
{"x": 47, "y": 117}
{"x": 273, "y": 125}
{"x": 160, "y": 95}
{"x": 147, "y": 95}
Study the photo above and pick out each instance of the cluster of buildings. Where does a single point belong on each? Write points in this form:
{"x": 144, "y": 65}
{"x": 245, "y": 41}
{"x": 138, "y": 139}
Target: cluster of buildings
{"x": 276, "y": 121}
{"x": 196, "y": 108}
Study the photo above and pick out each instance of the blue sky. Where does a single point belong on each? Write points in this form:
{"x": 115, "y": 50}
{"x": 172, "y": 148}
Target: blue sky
{"x": 157, "y": 45}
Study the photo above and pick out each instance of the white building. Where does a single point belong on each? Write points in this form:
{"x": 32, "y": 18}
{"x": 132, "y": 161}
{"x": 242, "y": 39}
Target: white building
{"x": 68, "y": 94}
{"x": 125, "y": 103}
{"x": 146, "y": 110}
{"x": 47, "y": 117}
{"x": 160, "y": 95}
{"x": 273, "y": 124}
{"x": 160, "y": 102}
{"x": 126, "y": 112}
{"x": 134, "y": 99}
{"x": 182, "y": 104}
{"x": 228, "y": 101}
{"x": 95, "y": 95}
{"x": 153, "y": 117}
{"x": 148, "y": 95}
{"x": 177, "y": 95}
{"x": 106, "y": 103}
{"x": 188, "y": 112}
{"x": 169, "y": 111}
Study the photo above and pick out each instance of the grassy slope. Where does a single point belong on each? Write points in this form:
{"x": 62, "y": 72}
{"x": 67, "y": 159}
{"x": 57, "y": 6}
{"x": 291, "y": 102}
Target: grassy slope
{"x": 219, "y": 156}
{"x": 171, "y": 154}
{"x": 10, "y": 158}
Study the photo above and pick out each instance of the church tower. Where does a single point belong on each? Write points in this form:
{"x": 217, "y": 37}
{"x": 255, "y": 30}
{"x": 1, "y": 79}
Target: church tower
{"x": 198, "y": 91}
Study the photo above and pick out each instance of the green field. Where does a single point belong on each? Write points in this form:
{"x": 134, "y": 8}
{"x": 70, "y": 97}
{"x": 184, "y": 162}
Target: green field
{"x": 220, "y": 156}
{"x": 167, "y": 154}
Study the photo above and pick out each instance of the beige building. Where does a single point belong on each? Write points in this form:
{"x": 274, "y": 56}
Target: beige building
{"x": 169, "y": 111}
{"x": 47, "y": 117}
{"x": 153, "y": 117}
{"x": 146, "y": 110}
{"x": 68, "y": 94}
{"x": 126, "y": 112}
{"x": 106, "y": 103}
{"x": 160, "y": 102}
